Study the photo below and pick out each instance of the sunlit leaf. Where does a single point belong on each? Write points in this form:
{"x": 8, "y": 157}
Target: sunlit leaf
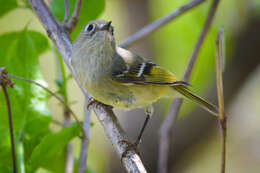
{"x": 6, "y": 6}
{"x": 19, "y": 52}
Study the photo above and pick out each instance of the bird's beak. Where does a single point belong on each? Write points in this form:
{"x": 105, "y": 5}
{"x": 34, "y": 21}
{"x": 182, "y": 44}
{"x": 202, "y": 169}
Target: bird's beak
{"x": 106, "y": 26}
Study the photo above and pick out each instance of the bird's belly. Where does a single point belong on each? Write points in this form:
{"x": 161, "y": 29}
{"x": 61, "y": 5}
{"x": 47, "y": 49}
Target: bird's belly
{"x": 127, "y": 96}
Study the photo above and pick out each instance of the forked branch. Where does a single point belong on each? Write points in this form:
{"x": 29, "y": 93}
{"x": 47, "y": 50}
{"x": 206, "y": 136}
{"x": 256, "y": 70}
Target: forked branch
{"x": 175, "y": 107}
{"x": 132, "y": 161}
{"x": 70, "y": 24}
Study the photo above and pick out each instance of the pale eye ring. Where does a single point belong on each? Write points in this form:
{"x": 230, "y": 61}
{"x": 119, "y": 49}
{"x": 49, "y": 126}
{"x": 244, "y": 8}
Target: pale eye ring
{"x": 89, "y": 28}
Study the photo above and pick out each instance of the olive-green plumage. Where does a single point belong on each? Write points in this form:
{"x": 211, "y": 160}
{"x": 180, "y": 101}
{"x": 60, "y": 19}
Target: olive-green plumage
{"x": 120, "y": 78}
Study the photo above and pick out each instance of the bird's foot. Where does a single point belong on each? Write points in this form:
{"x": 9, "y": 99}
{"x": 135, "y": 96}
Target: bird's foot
{"x": 130, "y": 147}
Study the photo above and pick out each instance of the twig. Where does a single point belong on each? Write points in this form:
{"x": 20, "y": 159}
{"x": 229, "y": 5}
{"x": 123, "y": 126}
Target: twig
{"x": 69, "y": 165}
{"x": 61, "y": 76}
{"x": 164, "y": 135}
{"x": 71, "y": 24}
{"x": 5, "y": 82}
{"x": 159, "y": 23}
{"x": 132, "y": 161}
{"x": 85, "y": 140}
{"x": 58, "y": 123}
{"x": 222, "y": 117}
{"x": 172, "y": 115}
{"x": 67, "y": 12}
{"x": 10, "y": 127}
{"x": 69, "y": 149}
{"x": 53, "y": 29}
{"x": 197, "y": 47}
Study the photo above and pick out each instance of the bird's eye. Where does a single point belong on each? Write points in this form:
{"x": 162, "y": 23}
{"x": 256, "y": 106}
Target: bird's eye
{"x": 90, "y": 28}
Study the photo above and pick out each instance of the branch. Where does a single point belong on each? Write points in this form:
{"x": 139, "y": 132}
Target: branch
{"x": 200, "y": 40}
{"x": 53, "y": 29}
{"x": 114, "y": 131}
{"x": 175, "y": 107}
{"x": 61, "y": 76}
{"x": 85, "y": 140}
{"x": 71, "y": 24}
{"x": 67, "y": 12}
{"x": 222, "y": 117}
{"x": 69, "y": 165}
{"x": 145, "y": 31}
{"x": 132, "y": 161}
{"x": 5, "y": 82}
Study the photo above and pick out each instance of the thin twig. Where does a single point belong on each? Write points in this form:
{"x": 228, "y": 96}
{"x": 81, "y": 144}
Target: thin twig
{"x": 53, "y": 29}
{"x": 202, "y": 36}
{"x": 71, "y": 24}
{"x": 52, "y": 94}
{"x": 159, "y": 23}
{"x": 61, "y": 76}
{"x": 69, "y": 165}
{"x": 67, "y": 12}
{"x": 172, "y": 115}
{"x": 222, "y": 117}
{"x": 85, "y": 140}
{"x": 4, "y": 82}
{"x": 10, "y": 127}
{"x": 58, "y": 123}
{"x": 132, "y": 161}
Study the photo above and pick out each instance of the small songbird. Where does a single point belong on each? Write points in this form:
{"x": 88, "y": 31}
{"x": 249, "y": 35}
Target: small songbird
{"x": 119, "y": 78}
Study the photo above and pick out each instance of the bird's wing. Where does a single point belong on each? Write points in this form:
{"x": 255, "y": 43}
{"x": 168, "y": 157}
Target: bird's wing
{"x": 140, "y": 71}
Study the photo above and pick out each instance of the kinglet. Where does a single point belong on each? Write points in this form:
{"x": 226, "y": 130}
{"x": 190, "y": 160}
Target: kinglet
{"x": 119, "y": 78}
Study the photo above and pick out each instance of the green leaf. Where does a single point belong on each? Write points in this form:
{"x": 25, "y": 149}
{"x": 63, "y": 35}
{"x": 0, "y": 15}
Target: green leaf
{"x": 90, "y": 10}
{"x": 26, "y": 4}
{"x": 50, "y": 153}
{"x": 19, "y": 52}
{"x": 5, "y": 169}
{"x": 6, "y": 6}
{"x": 34, "y": 131}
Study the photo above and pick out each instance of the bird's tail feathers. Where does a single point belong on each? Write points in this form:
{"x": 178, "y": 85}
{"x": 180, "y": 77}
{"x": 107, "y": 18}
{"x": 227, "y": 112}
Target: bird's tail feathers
{"x": 203, "y": 103}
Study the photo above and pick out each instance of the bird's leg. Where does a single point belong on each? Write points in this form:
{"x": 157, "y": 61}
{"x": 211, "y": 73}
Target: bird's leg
{"x": 148, "y": 112}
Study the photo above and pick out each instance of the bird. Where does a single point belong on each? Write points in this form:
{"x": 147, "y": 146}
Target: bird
{"x": 122, "y": 79}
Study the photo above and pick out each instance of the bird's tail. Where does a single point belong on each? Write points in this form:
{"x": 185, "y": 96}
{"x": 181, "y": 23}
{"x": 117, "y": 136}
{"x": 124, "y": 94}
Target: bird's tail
{"x": 203, "y": 103}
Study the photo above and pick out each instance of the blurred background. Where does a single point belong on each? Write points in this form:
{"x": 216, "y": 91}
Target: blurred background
{"x": 195, "y": 145}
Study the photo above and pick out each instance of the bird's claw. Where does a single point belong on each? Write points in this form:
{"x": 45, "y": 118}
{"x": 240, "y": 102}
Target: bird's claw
{"x": 93, "y": 102}
{"x": 130, "y": 146}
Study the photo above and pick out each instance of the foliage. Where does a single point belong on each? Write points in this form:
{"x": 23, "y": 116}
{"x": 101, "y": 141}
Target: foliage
{"x": 31, "y": 116}
{"x": 7, "y": 6}
{"x": 53, "y": 146}
{"x": 36, "y": 145}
